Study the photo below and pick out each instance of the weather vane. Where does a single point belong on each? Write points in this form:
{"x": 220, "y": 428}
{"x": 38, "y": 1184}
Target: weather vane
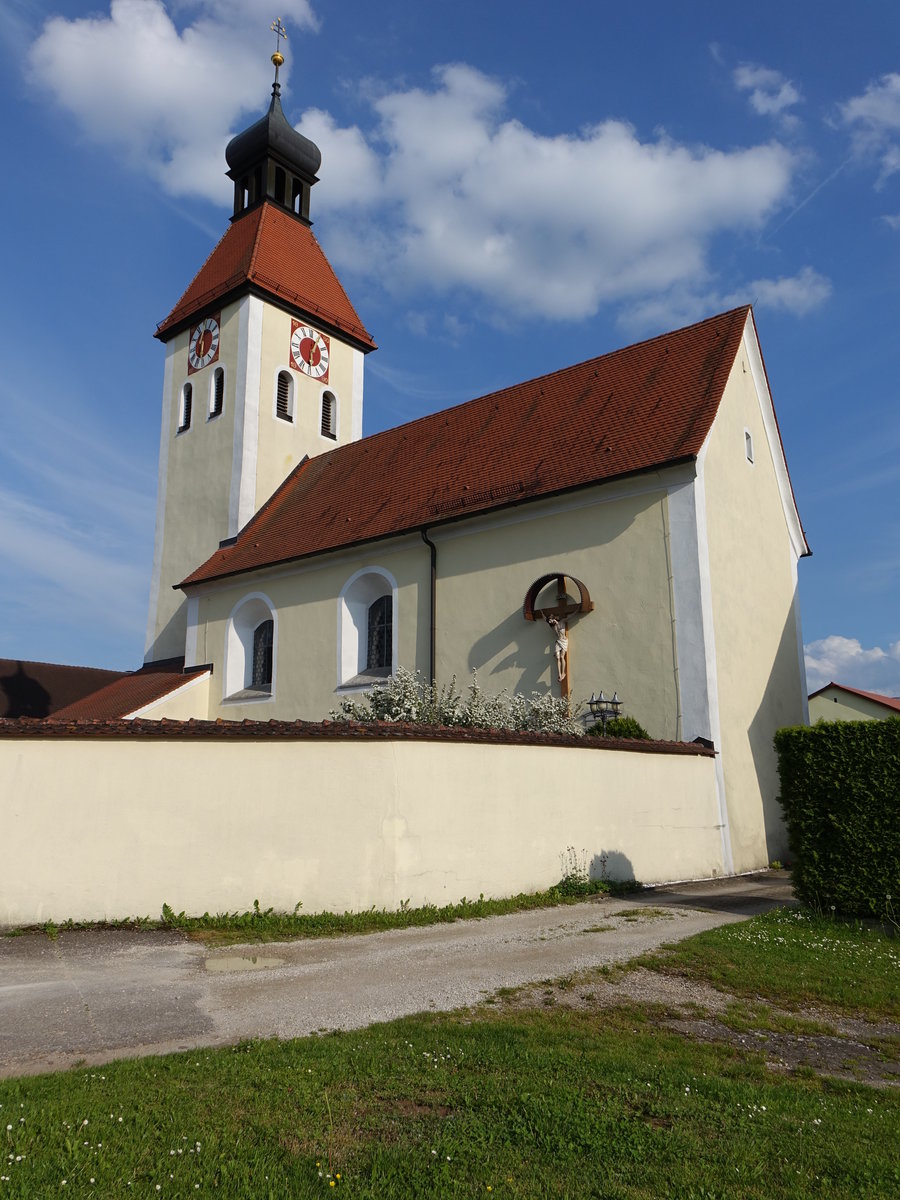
{"x": 280, "y": 32}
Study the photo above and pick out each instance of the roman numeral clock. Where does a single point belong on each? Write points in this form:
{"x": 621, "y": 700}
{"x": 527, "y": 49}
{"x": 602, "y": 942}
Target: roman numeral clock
{"x": 203, "y": 347}
{"x": 310, "y": 351}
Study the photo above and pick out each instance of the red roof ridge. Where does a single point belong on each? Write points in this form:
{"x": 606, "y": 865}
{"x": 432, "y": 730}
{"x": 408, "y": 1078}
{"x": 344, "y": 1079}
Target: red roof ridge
{"x": 889, "y": 701}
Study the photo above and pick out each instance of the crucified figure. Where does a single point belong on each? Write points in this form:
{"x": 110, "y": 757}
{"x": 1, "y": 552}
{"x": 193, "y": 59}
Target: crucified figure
{"x": 562, "y": 645}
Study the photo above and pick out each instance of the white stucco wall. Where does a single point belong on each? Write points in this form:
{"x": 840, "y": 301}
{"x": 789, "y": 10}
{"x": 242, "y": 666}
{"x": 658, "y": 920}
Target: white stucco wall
{"x": 98, "y": 827}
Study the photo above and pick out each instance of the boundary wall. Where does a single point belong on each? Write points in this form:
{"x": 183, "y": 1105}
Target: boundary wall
{"x": 113, "y": 819}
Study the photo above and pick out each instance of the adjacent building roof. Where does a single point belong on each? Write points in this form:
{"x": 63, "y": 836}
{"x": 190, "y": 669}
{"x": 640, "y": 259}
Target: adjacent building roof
{"x": 642, "y": 408}
{"x": 892, "y": 702}
{"x": 35, "y": 689}
{"x": 271, "y": 252}
{"x": 129, "y": 693}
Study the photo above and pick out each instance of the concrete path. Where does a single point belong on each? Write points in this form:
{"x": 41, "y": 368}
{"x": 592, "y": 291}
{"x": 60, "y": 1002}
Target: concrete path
{"x": 93, "y": 996}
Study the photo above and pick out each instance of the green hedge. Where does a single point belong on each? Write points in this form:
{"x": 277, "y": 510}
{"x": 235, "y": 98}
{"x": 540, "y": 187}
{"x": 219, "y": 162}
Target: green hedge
{"x": 840, "y": 791}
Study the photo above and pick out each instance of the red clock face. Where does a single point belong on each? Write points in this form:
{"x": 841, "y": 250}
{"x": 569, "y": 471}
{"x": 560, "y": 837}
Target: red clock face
{"x": 310, "y": 351}
{"x": 203, "y": 347}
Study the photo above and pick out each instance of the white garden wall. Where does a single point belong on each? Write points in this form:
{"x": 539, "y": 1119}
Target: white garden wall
{"x": 111, "y": 822}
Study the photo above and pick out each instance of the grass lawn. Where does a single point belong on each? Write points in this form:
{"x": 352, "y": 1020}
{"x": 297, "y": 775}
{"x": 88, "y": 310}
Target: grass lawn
{"x": 501, "y": 1101}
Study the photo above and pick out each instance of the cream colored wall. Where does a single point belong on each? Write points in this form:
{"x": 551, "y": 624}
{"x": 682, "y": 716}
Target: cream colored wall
{"x": 281, "y": 444}
{"x": 616, "y": 548}
{"x": 307, "y": 612}
{"x": 834, "y": 704}
{"x": 100, "y": 828}
{"x": 752, "y": 569}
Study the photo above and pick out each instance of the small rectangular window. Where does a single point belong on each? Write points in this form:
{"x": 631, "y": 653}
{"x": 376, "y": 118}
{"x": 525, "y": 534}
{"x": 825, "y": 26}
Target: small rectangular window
{"x": 329, "y": 423}
{"x": 218, "y": 393}
{"x": 748, "y": 445}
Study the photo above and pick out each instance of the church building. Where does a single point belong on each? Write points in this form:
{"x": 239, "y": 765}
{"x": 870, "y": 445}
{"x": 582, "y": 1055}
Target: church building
{"x": 641, "y": 498}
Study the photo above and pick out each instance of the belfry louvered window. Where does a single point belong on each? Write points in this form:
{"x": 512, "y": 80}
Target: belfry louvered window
{"x": 329, "y": 415}
{"x": 261, "y": 675}
{"x": 217, "y": 399}
{"x": 379, "y": 649}
{"x": 184, "y": 415}
{"x": 284, "y": 400}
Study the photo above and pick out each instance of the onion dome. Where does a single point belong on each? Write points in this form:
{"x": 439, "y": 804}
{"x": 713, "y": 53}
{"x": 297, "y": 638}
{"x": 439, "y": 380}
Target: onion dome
{"x": 272, "y": 161}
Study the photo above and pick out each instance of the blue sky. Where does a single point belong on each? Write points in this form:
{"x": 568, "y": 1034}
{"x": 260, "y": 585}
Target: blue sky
{"x": 506, "y": 188}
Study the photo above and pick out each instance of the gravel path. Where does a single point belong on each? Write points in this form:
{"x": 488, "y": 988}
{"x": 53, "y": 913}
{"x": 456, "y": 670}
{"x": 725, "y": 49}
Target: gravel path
{"x": 93, "y": 996}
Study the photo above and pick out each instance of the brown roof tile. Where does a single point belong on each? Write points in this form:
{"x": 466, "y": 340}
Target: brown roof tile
{"x": 129, "y": 693}
{"x": 274, "y": 253}
{"x": 637, "y": 409}
{"x": 35, "y": 689}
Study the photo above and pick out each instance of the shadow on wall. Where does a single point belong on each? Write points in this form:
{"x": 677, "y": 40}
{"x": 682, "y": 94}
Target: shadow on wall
{"x": 611, "y": 864}
{"x": 781, "y": 704}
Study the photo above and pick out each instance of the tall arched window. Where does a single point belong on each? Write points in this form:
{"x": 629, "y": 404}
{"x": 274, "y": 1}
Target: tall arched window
{"x": 284, "y": 396}
{"x": 367, "y": 628}
{"x": 251, "y": 639}
{"x": 217, "y": 392}
{"x": 184, "y": 410}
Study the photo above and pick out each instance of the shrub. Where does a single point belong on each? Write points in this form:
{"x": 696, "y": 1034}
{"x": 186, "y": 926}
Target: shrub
{"x": 840, "y": 789}
{"x": 620, "y": 727}
{"x": 406, "y": 697}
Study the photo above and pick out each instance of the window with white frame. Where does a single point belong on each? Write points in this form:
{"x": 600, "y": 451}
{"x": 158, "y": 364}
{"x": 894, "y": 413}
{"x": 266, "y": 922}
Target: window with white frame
{"x": 217, "y": 392}
{"x": 184, "y": 407}
{"x": 367, "y": 628}
{"x": 250, "y": 648}
{"x": 284, "y": 396}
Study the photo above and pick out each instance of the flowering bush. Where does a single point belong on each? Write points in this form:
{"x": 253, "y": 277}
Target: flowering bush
{"x": 406, "y": 697}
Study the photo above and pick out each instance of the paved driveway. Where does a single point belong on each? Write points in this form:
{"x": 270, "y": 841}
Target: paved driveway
{"x": 93, "y": 996}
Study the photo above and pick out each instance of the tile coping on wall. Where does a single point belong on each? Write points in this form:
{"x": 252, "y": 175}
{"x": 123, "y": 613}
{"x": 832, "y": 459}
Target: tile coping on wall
{"x": 338, "y": 731}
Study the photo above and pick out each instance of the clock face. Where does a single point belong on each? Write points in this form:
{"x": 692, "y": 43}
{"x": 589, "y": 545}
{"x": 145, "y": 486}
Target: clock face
{"x": 309, "y": 351}
{"x": 203, "y": 347}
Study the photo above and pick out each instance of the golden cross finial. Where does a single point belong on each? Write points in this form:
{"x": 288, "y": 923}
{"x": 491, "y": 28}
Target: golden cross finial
{"x": 278, "y": 58}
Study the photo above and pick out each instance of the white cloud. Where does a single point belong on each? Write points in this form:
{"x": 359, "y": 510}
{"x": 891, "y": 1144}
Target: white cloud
{"x": 798, "y": 294}
{"x": 837, "y": 659}
{"x": 469, "y": 199}
{"x": 874, "y": 121}
{"x": 771, "y": 95}
{"x": 164, "y": 96}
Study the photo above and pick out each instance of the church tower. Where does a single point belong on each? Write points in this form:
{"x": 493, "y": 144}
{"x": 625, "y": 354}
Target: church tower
{"x": 264, "y": 365}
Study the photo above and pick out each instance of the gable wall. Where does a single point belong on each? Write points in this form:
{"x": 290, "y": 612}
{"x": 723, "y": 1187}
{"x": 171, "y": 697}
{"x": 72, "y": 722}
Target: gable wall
{"x": 753, "y": 587}
{"x": 834, "y": 704}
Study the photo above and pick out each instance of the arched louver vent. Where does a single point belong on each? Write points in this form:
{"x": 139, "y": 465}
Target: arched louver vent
{"x": 187, "y": 396}
{"x": 329, "y": 415}
{"x": 284, "y": 404}
{"x": 218, "y": 395}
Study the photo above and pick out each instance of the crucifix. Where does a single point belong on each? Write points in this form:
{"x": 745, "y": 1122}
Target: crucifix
{"x": 280, "y": 32}
{"x": 558, "y": 617}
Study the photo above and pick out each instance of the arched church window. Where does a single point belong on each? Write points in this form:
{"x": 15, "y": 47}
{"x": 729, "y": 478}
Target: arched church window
{"x": 367, "y": 628}
{"x": 284, "y": 396}
{"x": 263, "y": 636}
{"x": 329, "y": 415}
{"x": 251, "y": 638}
{"x": 184, "y": 411}
{"x": 217, "y": 392}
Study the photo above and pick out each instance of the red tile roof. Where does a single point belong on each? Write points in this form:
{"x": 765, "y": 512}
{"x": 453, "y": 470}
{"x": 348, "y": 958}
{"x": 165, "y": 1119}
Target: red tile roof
{"x": 274, "y": 253}
{"x": 35, "y": 689}
{"x": 130, "y": 693}
{"x": 888, "y": 701}
{"x": 637, "y": 409}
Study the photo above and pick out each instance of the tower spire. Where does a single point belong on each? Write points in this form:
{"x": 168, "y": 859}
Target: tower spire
{"x": 278, "y": 58}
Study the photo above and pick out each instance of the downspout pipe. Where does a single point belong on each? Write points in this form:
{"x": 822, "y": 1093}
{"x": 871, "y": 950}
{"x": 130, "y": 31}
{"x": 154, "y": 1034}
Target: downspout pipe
{"x": 433, "y": 621}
